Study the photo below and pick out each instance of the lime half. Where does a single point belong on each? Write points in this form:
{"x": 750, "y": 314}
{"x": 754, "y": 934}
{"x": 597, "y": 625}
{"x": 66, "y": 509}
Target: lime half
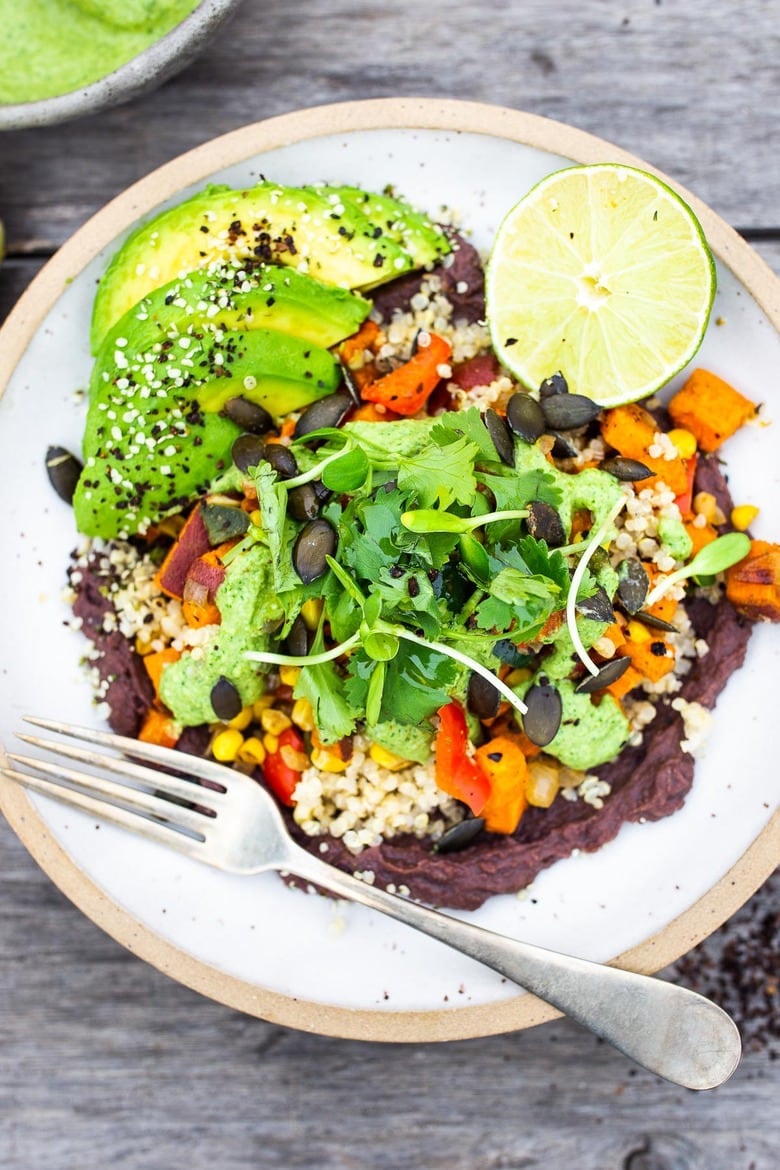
{"x": 604, "y": 273}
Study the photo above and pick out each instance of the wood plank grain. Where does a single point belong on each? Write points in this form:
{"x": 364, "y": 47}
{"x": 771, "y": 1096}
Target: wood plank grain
{"x": 696, "y": 97}
{"x": 105, "y": 1061}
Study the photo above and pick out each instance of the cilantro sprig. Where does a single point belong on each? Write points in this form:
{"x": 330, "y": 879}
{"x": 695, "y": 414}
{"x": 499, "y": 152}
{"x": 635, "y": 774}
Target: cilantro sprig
{"x": 433, "y": 567}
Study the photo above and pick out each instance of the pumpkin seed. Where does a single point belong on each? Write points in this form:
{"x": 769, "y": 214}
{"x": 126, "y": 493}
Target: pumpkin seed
{"x": 506, "y": 651}
{"x": 556, "y": 384}
{"x": 609, "y": 673}
{"x": 248, "y": 451}
{"x": 225, "y": 699}
{"x": 248, "y": 415}
{"x": 222, "y": 522}
{"x": 562, "y": 448}
{"x": 281, "y": 459}
{"x": 501, "y": 436}
{"x": 628, "y": 470}
{"x": 298, "y": 641}
{"x": 351, "y": 386}
{"x": 597, "y": 607}
{"x": 63, "y": 470}
{"x": 544, "y": 523}
{"x": 329, "y": 411}
{"x": 483, "y": 698}
{"x": 316, "y": 541}
{"x": 524, "y": 415}
{"x": 656, "y": 623}
{"x": 303, "y": 502}
{"x": 542, "y": 720}
{"x": 633, "y": 585}
{"x": 459, "y": 836}
{"x": 566, "y": 412}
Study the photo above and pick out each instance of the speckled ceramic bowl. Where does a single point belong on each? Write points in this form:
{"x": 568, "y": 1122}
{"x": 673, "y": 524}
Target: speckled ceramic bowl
{"x": 144, "y": 72}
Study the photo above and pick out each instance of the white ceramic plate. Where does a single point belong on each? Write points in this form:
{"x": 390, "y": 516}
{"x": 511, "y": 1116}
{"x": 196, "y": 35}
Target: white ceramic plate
{"x": 252, "y": 943}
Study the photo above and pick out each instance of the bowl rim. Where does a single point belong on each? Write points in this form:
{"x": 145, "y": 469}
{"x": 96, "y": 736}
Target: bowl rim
{"x": 669, "y": 943}
{"x": 153, "y": 65}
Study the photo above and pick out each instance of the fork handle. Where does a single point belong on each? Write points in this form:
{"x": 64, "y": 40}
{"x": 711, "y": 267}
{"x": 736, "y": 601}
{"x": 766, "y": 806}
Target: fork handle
{"x": 669, "y": 1030}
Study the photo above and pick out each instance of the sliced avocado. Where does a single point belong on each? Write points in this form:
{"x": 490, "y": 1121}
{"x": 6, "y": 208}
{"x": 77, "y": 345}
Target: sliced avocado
{"x": 154, "y": 439}
{"x": 229, "y": 296}
{"x": 136, "y": 472}
{"x": 279, "y": 372}
{"x": 286, "y": 225}
{"x": 425, "y": 241}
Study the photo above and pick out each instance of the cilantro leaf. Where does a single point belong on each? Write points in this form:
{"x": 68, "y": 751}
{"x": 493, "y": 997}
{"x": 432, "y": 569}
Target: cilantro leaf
{"x": 516, "y": 588}
{"x": 544, "y": 561}
{"x": 517, "y": 490}
{"x": 323, "y": 686}
{"x": 494, "y": 614}
{"x": 440, "y": 475}
{"x": 455, "y": 424}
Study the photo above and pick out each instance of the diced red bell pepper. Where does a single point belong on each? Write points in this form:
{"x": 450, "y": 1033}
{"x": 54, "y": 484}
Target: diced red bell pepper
{"x": 279, "y": 776}
{"x": 457, "y": 773}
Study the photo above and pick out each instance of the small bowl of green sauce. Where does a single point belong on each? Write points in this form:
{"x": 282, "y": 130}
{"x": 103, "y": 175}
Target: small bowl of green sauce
{"x": 63, "y": 59}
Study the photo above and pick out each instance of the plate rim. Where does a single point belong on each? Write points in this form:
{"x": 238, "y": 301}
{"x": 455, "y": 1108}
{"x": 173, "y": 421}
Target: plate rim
{"x": 428, "y": 114}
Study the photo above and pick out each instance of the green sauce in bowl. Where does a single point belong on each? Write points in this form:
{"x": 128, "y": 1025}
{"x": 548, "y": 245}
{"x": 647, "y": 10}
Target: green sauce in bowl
{"x": 53, "y": 47}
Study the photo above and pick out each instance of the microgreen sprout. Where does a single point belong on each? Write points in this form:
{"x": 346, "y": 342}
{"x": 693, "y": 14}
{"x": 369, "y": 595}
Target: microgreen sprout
{"x": 717, "y": 556}
{"x": 577, "y": 578}
{"x": 425, "y": 520}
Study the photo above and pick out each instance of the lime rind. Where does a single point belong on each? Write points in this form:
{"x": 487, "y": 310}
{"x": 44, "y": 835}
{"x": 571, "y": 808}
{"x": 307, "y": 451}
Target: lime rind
{"x": 600, "y": 297}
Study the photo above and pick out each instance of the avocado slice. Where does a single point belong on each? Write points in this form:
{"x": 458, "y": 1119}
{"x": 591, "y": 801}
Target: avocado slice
{"x": 425, "y": 241}
{"x": 154, "y": 438}
{"x": 291, "y": 226}
{"x": 229, "y": 296}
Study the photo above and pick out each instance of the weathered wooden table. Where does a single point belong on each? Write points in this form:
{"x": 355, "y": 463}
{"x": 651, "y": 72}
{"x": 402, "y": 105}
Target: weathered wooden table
{"x": 104, "y": 1061}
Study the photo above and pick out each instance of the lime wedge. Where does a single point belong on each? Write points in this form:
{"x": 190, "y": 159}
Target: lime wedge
{"x": 601, "y": 272}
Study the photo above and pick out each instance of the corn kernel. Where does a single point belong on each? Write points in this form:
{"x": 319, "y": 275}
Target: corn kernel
{"x": 387, "y": 759}
{"x": 743, "y": 516}
{"x": 570, "y": 777}
{"x": 271, "y": 743}
{"x": 256, "y": 518}
{"x": 289, "y": 675}
{"x": 638, "y": 632}
{"x": 262, "y": 704}
{"x": 327, "y": 761}
{"x": 515, "y": 677}
{"x": 311, "y": 611}
{"x": 142, "y": 647}
{"x": 242, "y": 720}
{"x": 275, "y": 721}
{"x": 302, "y": 715}
{"x": 252, "y": 751}
{"x": 684, "y": 441}
{"x": 542, "y": 783}
{"x": 296, "y": 760}
{"x": 705, "y": 504}
{"x": 226, "y": 745}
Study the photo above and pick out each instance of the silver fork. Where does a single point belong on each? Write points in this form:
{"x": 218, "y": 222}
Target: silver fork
{"x": 218, "y": 816}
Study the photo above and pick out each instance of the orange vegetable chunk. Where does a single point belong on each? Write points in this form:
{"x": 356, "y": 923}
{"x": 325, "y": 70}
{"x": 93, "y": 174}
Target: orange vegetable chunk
{"x": 631, "y": 430}
{"x": 710, "y": 409}
{"x": 753, "y": 584}
{"x": 505, "y": 765}
{"x": 406, "y": 389}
